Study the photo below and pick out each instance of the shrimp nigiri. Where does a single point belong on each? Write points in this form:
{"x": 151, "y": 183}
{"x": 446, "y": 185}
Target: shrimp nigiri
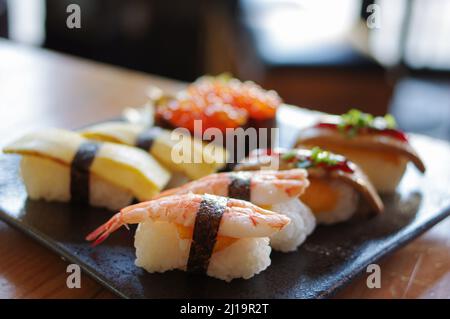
{"x": 218, "y": 236}
{"x": 278, "y": 191}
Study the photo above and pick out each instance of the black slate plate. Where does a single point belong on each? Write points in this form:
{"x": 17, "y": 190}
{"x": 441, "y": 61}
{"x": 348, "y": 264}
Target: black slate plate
{"x": 329, "y": 259}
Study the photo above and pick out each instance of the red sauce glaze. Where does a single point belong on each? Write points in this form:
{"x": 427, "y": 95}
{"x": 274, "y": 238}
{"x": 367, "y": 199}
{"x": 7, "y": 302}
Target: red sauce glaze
{"x": 340, "y": 166}
{"x": 397, "y": 134}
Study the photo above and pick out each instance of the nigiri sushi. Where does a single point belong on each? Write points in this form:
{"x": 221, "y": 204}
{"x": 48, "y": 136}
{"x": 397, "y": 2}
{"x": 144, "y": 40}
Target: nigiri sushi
{"x": 204, "y": 160}
{"x": 277, "y": 191}
{"x": 336, "y": 185}
{"x": 60, "y": 165}
{"x": 374, "y": 143}
{"x": 203, "y": 234}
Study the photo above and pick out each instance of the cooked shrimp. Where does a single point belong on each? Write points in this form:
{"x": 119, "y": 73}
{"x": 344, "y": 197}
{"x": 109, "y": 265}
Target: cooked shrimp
{"x": 240, "y": 218}
{"x": 267, "y": 187}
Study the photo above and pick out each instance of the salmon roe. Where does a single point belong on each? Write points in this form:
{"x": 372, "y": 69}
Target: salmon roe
{"x": 221, "y": 103}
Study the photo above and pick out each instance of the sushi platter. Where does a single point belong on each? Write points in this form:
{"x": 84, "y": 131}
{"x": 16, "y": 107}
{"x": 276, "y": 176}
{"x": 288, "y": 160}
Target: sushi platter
{"x": 268, "y": 233}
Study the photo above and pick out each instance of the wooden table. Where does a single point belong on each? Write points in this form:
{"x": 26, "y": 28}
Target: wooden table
{"x": 39, "y": 88}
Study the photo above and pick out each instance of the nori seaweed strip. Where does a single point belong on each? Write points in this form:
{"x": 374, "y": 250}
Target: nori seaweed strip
{"x": 239, "y": 187}
{"x": 145, "y": 139}
{"x": 79, "y": 172}
{"x": 204, "y": 238}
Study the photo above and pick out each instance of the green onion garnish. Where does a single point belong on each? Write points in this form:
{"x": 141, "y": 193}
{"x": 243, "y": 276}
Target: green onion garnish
{"x": 351, "y": 122}
{"x": 319, "y": 156}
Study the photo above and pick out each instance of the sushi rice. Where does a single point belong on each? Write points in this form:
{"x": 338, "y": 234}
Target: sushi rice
{"x": 159, "y": 248}
{"x": 345, "y": 206}
{"x": 56, "y": 186}
{"x": 294, "y": 234}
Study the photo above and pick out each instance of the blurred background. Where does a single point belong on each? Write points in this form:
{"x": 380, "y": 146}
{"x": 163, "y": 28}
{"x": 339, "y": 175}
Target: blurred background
{"x": 379, "y": 56}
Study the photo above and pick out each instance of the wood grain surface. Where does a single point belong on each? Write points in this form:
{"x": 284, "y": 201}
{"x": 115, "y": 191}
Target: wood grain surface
{"x": 39, "y": 88}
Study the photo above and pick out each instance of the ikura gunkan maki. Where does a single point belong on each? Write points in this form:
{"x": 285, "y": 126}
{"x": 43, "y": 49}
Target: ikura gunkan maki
{"x": 204, "y": 234}
{"x": 60, "y": 165}
{"x": 238, "y": 110}
{"x": 220, "y": 102}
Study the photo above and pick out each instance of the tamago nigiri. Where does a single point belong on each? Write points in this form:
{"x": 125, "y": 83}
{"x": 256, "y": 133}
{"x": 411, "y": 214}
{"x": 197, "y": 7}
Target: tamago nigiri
{"x": 60, "y": 165}
{"x": 160, "y": 144}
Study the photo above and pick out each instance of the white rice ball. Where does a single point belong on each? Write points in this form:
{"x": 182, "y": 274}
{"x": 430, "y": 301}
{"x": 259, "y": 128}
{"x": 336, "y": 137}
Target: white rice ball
{"x": 385, "y": 175}
{"x": 159, "y": 249}
{"x": 105, "y": 194}
{"x": 294, "y": 234}
{"x": 345, "y": 207}
{"x": 243, "y": 259}
{"x": 49, "y": 180}
{"x": 45, "y": 179}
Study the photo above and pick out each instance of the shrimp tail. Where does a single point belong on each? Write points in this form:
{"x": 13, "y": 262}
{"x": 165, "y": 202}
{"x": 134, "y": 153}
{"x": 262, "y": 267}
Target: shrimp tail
{"x": 101, "y": 233}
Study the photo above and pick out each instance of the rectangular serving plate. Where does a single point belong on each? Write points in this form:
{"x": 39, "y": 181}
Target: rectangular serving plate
{"x": 328, "y": 260}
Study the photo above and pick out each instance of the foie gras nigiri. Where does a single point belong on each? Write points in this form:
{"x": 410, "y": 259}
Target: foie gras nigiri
{"x": 374, "y": 143}
{"x": 204, "y": 234}
{"x": 336, "y": 184}
{"x": 60, "y": 165}
{"x": 277, "y": 191}
{"x": 201, "y": 160}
